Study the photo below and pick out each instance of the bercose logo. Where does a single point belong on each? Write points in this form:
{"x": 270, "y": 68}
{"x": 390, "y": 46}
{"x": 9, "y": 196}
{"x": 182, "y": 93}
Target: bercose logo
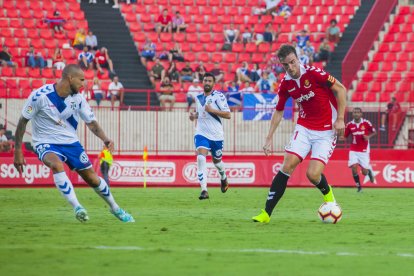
{"x": 237, "y": 173}
{"x": 391, "y": 175}
{"x": 134, "y": 171}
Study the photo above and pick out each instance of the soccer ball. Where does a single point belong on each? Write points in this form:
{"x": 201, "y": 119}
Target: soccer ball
{"x": 330, "y": 212}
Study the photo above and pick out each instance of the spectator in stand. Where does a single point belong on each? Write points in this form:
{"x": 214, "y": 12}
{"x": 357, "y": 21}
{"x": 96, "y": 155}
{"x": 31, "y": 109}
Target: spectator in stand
{"x": 97, "y": 91}
{"x": 116, "y": 92}
{"x": 200, "y": 71}
{"x": 264, "y": 85}
{"x": 255, "y": 73}
{"x": 102, "y": 60}
{"x": 85, "y": 59}
{"x": 164, "y": 22}
{"x": 194, "y": 90}
{"x": 217, "y": 72}
{"x": 392, "y": 112}
{"x": 157, "y": 72}
{"x": 187, "y": 73}
{"x": 285, "y": 10}
{"x": 234, "y": 96}
{"x": 243, "y": 73}
{"x": 324, "y": 53}
{"x": 58, "y": 60}
{"x": 333, "y": 32}
{"x": 116, "y": 3}
{"x": 269, "y": 34}
{"x": 148, "y": 51}
{"x": 303, "y": 58}
{"x": 274, "y": 65}
{"x": 247, "y": 35}
{"x": 34, "y": 59}
{"x": 4, "y": 142}
{"x": 6, "y": 58}
{"x": 231, "y": 34}
{"x": 176, "y": 53}
{"x": 80, "y": 39}
{"x": 56, "y": 22}
{"x": 91, "y": 41}
{"x": 247, "y": 88}
{"x": 297, "y": 48}
{"x": 271, "y": 7}
{"x": 173, "y": 73}
{"x": 167, "y": 95}
{"x": 309, "y": 50}
{"x": 302, "y": 38}
{"x": 178, "y": 23}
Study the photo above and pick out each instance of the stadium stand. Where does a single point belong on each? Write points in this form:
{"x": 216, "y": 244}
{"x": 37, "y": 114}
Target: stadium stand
{"x": 23, "y": 24}
{"x": 389, "y": 70}
{"x": 205, "y": 27}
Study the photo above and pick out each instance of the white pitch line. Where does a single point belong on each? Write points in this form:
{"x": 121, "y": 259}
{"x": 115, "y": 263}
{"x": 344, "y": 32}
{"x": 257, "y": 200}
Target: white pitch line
{"x": 203, "y": 250}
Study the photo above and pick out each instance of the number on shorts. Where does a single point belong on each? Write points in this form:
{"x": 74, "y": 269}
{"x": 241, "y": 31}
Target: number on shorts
{"x": 296, "y": 134}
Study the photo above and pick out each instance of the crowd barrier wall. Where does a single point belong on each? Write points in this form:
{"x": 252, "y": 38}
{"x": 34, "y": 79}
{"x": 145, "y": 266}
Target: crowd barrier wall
{"x": 392, "y": 168}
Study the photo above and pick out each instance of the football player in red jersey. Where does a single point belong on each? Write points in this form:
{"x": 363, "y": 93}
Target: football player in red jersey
{"x": 321, "y": 100}
{"x": 361, "y": 131}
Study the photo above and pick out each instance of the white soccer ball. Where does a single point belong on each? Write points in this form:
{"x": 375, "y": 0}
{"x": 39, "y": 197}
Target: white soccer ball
{"x": 330, "y": 212}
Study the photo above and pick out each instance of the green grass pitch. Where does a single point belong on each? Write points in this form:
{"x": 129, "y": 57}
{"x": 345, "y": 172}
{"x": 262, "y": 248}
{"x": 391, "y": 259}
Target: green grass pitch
{"x": 176, "y": 234}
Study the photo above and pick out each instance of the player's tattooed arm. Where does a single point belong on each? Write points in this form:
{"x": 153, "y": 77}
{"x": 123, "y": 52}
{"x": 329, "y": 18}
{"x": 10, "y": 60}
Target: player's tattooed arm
{"x": 193, "y": 116}
{"x": 20, "y": 130}
{"x": 98, "y": 131}
{"x": 19, "y": 161}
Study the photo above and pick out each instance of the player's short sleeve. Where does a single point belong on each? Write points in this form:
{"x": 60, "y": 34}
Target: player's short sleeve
{"x": 323, "y": 78}
{"x": 283, "y": 96}
{"x": 85, "y": 111}
{"x": 370, "y": 127}
{"x": 222, "y": 102}
{"x": 32, "y": 105}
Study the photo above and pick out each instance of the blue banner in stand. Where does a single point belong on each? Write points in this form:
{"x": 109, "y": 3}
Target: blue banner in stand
{"x": 260, "y": 107}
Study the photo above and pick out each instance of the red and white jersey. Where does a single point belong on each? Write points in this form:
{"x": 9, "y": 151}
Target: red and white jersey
{"x": 311, "y": 91}
{"x": 358, "y": 130}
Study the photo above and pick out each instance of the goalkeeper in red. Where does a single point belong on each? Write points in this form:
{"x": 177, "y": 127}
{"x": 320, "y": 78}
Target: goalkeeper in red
{"x": 321, "y": 101}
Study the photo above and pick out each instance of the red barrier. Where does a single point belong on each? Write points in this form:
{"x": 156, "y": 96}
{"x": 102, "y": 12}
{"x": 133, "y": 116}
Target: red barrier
{"x": 251, "y": 171}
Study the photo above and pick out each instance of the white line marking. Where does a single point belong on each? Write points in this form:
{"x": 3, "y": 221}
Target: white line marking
{"x": 202, "y": 250}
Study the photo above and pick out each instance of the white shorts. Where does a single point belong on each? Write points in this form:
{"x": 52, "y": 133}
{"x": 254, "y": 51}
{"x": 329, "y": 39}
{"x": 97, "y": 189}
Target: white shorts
{"x": 360, "y": 158}
{"x": 321, "y": 143}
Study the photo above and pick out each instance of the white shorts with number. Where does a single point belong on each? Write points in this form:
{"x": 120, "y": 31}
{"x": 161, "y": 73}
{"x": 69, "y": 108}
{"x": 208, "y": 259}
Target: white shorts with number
{"x": 321, "y": 143}
{"x": 360, "y": 158}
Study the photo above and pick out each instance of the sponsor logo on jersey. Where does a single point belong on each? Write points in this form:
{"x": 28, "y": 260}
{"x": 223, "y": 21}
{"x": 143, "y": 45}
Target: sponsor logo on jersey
{"x": 307, "y": 84}
{"x": 29, "y": 109}
{"x": 237, "y": 173}
{"x": 306, "y": 97}
{"x": 135, "y": 171}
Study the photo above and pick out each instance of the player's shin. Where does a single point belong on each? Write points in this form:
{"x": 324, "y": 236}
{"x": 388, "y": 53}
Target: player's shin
{"x": 356, "y": 179}
{"x": 104, "y": 191}
{"x": 323, "y": 185}
{"x": 276, "y": 192}
{"x": 65, "y": 187}
{"x": 220, "y": 168}
{"x": 201, "y": 168}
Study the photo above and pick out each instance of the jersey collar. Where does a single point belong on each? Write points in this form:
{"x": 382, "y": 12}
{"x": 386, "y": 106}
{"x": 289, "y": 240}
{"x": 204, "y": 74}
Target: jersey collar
{"x": 302, "y": 71}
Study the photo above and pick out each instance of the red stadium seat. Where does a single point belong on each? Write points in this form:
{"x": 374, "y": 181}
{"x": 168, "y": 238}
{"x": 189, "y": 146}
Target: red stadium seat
{"x": 166, "y": 37}
{"x": 6, "y": 72}
{"x": 211, "y": 47}
{"x": 34, "y": 73}
{"x": 385, "y": 97}
{"x": 218, "y": 38}
{"x": 218, "y": 57}
{"x": 139, "y": 37}
{"x": 367, "y": 77}
{"x": 197, "y": 47}
{"x": 358, "y": 97}
{"x": 89, "y": 74}
{"x": 21, "y": 72}
{"x": 375, "y": 87}
{"x": 244, "y": 57}
{"x": 37, "y": 83}
{"x": 251, "y": 47}
{"x": 47, "y": 73}
{"x": 258, "y": 57}
{"x": 218, "y": 28}
{"x": 204, "y": 57}
{"x": 230, "y": 58}
{"x": 371, "y": 97}
{"x": 11, "y": 83}
{"x": 180, "y": 37}
{"x": 205, "y": 38}
{"x": 237, "y": 47}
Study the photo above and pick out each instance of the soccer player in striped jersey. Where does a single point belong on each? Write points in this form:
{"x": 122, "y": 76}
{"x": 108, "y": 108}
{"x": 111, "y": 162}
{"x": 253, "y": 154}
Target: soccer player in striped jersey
{"x": 209, "y": 135}
{"x": 55, "y": 110}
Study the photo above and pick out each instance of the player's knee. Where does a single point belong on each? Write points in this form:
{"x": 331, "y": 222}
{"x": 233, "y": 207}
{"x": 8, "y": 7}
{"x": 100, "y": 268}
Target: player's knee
{"x": 364, "y": 171}
{"x": 313, "y": 176}
{"x": 56, "y": 167}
